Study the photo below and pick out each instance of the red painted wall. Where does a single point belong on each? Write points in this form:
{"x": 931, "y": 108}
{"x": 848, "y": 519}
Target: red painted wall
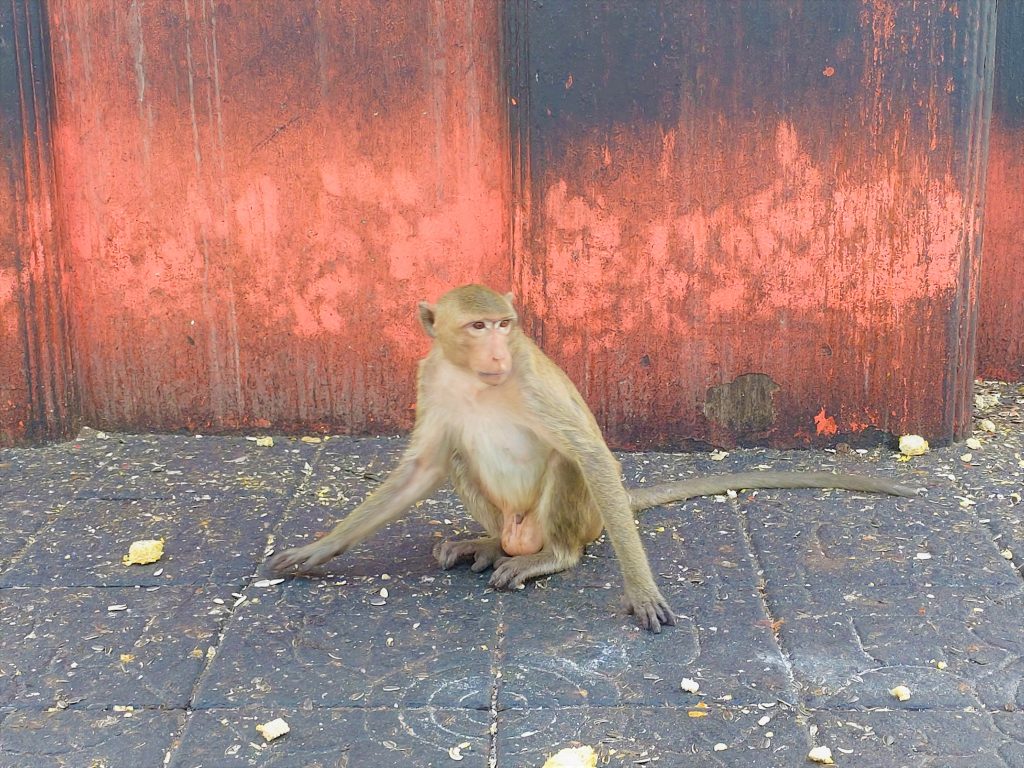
{"x": 1001, "y": 325}
{"x": 749, "y": 222}
{"x": 257, "y": 194}
{"x": 731, "y": 222}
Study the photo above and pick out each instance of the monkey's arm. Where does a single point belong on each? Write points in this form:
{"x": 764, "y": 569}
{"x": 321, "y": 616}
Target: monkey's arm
{"x": 642, "y": 598}
{"x": 566, "y": 423}
{"x": 415, "y": 478}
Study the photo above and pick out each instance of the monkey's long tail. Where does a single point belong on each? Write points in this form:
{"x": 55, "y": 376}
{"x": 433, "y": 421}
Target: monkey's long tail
{"x": 680, "y": 490}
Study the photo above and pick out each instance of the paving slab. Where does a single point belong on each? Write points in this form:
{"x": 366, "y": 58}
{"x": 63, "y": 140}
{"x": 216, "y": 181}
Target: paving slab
{"x": 329, "y": 738}
{"x": 88, "y": 739}
{"x": 567, "y": 641}
{"x": 721, "y": 736}
{"x": 49, "y": 474}
{"x": 331, "y": 644}
{"x": 22, "y": 521}
{"x": 923, "y": 738}
{"x": 204, "y": 542}
{"x": 192, "y": 468}
{"x": 97, "y": 648}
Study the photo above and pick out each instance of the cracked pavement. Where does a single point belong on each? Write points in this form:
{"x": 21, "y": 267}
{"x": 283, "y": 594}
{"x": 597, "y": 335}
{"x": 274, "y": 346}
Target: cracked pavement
{"x": 800, "y": 611}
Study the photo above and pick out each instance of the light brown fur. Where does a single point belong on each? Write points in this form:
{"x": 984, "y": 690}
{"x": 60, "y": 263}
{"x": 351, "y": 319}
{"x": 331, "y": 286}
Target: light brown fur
{"x": 525, "y": 454}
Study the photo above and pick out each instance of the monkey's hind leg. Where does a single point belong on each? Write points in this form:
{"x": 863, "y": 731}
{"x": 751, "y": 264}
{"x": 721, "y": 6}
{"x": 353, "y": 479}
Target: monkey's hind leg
{"x": 568, "y": 523}
{"x": 482, "y": 552}
{"x": 513, "y": 572}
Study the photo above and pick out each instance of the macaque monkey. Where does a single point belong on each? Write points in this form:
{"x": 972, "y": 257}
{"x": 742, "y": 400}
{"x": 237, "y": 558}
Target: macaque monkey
{"x": 525, "y": 455}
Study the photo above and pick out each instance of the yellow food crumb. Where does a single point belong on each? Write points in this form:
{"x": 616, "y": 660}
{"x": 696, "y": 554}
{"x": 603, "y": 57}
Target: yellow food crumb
{"x": 573, "y": 757}
{"x": 144, "y": 552}
{"x": 273, "y": 730}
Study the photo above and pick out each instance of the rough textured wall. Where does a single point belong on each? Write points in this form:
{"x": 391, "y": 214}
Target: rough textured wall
{"x": 755, "y": 221}
{"x": 1001, "y": 326}
{"x": 729, "y": 221}
{"x": 257, "y": 194}
{"x": 37, "y": 395}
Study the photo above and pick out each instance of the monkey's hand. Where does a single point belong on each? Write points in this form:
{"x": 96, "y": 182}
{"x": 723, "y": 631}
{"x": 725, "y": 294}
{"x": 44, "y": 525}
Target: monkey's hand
{"x": 304, "y": 558}
{"x": 650, "y": 608}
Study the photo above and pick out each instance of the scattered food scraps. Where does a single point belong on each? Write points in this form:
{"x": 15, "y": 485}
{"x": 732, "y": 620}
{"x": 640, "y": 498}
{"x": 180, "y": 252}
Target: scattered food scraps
{"x": 573, "y": 757}
{"x": 913, "y": 445}
{"x": 901, "y": 692}
{"x": 973, "y": 443}
{"x": 821, "y": 755}
{"x": 987, "y": 425}
{"x": 144, "y": 552}
{"x": 701, "y": 710}
{"x": 265, "y": 442}
{"x": 275, "y": 729}
{"x": 262, "y": 583}
{"x": 690, "y": 686}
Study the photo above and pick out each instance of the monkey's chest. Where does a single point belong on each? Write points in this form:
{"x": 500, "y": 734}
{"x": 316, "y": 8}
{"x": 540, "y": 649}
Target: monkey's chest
{"x": 507, "y": 460}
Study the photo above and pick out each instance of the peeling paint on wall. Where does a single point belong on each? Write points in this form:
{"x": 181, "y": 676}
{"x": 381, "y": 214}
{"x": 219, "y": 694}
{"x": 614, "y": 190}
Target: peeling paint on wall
{"x": 744, "y": 406}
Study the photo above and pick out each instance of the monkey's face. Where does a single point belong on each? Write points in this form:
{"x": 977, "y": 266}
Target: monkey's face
{"x": 484, "y": 349}
{"x": 473, "y": 326}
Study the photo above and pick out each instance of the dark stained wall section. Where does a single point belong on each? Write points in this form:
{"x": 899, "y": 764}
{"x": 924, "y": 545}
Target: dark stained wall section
{"x": 779, "y": 190}
{"x": 1001, "y": 327}
{"x": 37, "y": 396}
{"x": 257, "y": 193}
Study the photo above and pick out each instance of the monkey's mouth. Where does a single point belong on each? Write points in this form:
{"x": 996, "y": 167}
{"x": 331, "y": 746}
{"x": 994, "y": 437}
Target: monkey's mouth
{"x": 493, "y": 379}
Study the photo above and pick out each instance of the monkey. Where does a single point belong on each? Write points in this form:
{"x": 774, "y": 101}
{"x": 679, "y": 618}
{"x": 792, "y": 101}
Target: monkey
{"x": 525, "y": 455}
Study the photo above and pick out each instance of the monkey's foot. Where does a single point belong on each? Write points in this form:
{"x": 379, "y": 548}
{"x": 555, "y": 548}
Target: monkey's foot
{"x": 650, "y": 608}
{"x": 482, "y": 552}
{"x": 513, "y": 572}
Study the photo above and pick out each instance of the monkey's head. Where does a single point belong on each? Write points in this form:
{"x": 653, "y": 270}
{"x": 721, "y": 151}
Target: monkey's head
{"x": 473, "y": 325}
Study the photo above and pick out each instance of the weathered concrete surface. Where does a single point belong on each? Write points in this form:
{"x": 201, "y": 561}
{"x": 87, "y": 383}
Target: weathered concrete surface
{"x": 799, "y": 611}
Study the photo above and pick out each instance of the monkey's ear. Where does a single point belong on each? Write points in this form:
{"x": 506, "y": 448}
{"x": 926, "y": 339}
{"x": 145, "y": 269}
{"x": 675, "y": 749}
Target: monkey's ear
{"x": 427, "y": 318}
{"x": 510, "y": 298}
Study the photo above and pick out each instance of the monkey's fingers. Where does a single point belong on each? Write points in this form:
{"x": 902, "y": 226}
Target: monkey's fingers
{"x": 481, "y": 553}
{"x": 484, "y": 560}
{"x": 507, "y": 574}
{"x": 651, "y": 612}
{"x": 302, "y": 558}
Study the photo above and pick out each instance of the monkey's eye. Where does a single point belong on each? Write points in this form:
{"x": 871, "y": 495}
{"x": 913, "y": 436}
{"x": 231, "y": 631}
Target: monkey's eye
{"x": 504, "y": 326}
{"x": 479, "y": 325}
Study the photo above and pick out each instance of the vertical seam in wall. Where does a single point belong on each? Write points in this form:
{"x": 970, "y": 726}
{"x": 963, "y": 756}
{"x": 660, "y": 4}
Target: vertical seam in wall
{"x": 981, "y": 79}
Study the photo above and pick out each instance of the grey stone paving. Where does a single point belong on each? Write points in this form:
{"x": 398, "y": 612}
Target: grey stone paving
{"x": 799, "y": 611}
